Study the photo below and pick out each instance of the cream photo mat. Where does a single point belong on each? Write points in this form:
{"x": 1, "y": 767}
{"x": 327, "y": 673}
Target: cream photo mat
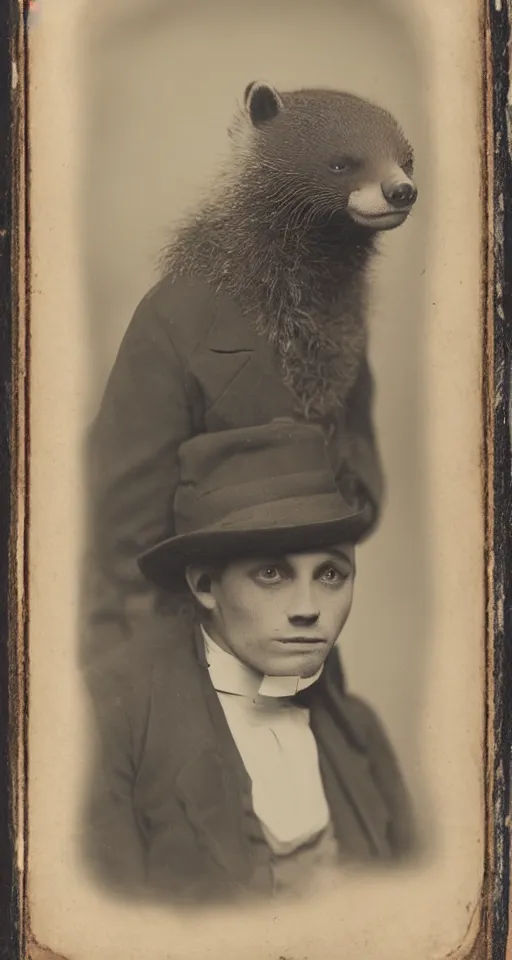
{"x": 432, "y": 907}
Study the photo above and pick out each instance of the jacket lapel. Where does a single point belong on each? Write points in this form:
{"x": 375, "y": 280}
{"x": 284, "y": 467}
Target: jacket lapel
{"x": 231, "y": 330}
{"x": 208, "y": 788}
{"x": 200, "y": 766}
{"x": 358, "y": 811}
{"x": 233, "y": 346}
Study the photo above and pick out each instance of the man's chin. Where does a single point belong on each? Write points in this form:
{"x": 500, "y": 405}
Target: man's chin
{"x": 306, "y": 675}
{"x": 303, "y": 665}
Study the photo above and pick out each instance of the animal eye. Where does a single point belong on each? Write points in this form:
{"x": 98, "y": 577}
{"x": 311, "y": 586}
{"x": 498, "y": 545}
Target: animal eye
{"x": 343, "y": 165}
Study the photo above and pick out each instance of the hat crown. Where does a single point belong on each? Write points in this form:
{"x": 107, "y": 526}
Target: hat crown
{"x": 245, "y": 492}
{"x": 247, "y": 469}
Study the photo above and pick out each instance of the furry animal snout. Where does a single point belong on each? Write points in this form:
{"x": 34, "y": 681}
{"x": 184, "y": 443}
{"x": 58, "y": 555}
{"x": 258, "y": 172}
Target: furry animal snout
{"x": 383, "y": 205}
{"x": 400, "y": 194}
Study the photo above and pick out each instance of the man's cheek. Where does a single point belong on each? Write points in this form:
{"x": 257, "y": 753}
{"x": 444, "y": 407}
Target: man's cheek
{"x": 345, "y": 612}
{"x": 244, "y": 607}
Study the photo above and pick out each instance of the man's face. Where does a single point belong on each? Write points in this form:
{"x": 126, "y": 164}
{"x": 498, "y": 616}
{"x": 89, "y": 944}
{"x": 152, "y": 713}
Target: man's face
{"x": 281, "y": 617}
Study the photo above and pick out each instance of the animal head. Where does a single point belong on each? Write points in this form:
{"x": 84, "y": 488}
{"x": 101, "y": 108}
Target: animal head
{"x": 333, "y": 151}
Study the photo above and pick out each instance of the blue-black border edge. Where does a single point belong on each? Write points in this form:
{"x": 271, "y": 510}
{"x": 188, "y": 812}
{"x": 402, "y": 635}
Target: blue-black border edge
{"x": 498, "y": 455}
{"x": 12, "y": 134}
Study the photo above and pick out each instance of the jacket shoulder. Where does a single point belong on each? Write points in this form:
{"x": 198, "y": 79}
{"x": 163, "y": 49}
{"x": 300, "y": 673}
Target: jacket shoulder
{"x": 121, "y": 680}
{"x": 365, "y": 721}
{"x": 182, "y": 309}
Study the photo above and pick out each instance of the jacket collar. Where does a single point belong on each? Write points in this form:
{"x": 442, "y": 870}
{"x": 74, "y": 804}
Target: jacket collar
{"x": 233, "y": 331}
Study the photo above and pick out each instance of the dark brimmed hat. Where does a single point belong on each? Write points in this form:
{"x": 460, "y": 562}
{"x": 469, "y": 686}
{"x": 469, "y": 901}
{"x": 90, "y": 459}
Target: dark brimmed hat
{"x": 267, "y": 489}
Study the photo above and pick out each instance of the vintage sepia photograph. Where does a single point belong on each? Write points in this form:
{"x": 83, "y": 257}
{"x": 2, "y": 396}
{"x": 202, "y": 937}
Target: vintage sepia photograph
{"x": 234, "y": 463}
{"x": 256, "y": 578}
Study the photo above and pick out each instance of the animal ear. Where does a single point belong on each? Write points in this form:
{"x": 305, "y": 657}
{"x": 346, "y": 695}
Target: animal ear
{"x": 262, "y": 101}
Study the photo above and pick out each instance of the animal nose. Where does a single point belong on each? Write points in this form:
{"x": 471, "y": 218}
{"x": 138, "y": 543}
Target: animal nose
{"x": 400, "y": 194}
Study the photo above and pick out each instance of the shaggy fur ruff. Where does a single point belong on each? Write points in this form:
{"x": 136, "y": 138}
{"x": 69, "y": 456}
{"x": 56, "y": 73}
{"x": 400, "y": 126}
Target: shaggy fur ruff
{"x": 296, "y": 267}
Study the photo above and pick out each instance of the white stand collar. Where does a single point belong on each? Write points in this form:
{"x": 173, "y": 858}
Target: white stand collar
{"x": 229, "y": 675}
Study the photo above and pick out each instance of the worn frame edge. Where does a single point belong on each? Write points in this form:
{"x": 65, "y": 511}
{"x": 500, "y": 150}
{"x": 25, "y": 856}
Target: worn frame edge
{"x": 490, "y": 939}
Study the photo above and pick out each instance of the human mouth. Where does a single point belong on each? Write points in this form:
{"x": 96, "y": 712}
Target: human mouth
{"x": 303, "y": 641}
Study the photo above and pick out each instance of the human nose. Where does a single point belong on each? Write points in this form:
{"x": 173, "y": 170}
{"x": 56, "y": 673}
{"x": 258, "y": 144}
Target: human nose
{"x": 304, "y": 611}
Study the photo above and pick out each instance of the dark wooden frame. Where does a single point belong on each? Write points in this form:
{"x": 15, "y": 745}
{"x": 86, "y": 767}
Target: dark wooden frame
{"x": 491, "y": 940}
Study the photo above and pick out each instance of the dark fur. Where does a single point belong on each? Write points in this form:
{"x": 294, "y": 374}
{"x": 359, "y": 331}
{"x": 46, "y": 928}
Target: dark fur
{"x": 278, "y": 239}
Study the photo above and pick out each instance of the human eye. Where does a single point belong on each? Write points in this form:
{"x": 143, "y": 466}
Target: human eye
{"x": 333, "y": 577}
{"x": 268, "y": 574}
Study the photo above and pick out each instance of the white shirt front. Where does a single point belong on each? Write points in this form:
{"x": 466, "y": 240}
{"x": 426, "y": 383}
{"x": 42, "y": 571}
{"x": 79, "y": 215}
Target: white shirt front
{"x": 277, "y": 747}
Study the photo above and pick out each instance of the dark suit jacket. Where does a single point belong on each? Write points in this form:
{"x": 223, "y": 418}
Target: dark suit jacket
{"x": 166, "y": 815}
{"x": 190, "y": 362}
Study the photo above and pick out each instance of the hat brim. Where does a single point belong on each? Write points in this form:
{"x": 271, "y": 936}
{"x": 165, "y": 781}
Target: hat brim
{"x": 165, "y": 563}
